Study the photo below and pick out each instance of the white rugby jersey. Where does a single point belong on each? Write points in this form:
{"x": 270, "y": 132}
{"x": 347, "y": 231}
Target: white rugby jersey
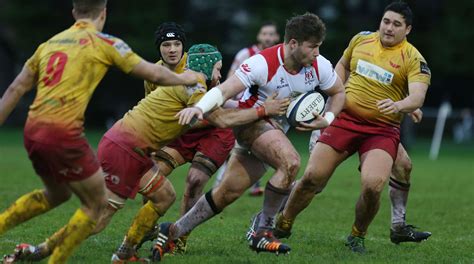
{"x": 264, "y": 74}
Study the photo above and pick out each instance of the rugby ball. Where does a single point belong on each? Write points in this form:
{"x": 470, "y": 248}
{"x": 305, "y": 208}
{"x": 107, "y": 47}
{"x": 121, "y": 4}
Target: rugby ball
{"x": 302, "y": 107}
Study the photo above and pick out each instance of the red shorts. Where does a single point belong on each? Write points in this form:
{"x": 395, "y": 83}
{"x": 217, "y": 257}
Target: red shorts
{"x": 123, "y": 166}
{"x": 64, "y": 159}
{"x": 214, "y": 143}
{"x": 346, "y": 134}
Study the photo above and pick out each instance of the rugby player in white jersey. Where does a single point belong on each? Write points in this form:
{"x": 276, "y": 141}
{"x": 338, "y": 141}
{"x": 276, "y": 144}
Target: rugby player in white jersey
{"x": 291, "y": 68}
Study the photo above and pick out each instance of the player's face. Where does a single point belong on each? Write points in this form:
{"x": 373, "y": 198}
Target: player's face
{"x": 171, "y": 51}
{"x": 216, "y": 74}
{"x": 393, "y": 29}
{"x": 307, "y": 52}
{"x": 268, "y": 36}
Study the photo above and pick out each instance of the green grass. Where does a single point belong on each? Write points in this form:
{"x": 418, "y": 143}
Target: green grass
{"x": 441, "y": 201}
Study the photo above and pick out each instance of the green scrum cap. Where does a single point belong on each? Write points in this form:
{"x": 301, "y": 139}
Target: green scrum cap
{"x": 202, "y": 58}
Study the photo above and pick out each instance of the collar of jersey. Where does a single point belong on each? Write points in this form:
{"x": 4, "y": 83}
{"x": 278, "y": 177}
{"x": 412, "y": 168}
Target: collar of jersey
{"x": 83, "y": 24}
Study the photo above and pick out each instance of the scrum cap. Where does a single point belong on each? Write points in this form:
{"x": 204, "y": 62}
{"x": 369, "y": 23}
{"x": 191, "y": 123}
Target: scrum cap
{"x": 202, "y": 58}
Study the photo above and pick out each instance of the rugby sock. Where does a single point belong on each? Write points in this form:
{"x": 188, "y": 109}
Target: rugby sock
{"x": 143, "y": 222}
{"x": 52, "y": 241}
{"x": 357, "y": 233}
{"x": 23, "y": 209}
{"x": 273, "y": 199}
{"x": 204, "y": 209}
{"x": 80, "y": 226}
{"x": 398, "y": 192}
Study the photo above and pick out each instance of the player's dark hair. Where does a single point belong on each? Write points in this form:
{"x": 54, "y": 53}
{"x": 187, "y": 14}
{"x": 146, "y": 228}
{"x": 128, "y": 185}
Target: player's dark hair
{"x": 401, "y": 8}
{"x": 307, "y": 27}
{"x": 88, "y": 8}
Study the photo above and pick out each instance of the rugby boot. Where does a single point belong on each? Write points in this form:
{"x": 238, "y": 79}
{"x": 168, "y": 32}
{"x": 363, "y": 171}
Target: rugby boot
{"x": 407, "y": 233}
{"x": 163, "y": 244}
{"x": 253, "y": 225}
{"x": 264, "y": 241}
{"x": 25, "y": 252}
{"x": 356, "y": 244}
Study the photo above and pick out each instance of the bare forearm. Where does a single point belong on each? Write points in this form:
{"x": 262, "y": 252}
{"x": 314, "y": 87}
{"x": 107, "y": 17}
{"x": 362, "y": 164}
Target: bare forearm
{"x": 8, "y": 102}
{"x": 225, "y": 118}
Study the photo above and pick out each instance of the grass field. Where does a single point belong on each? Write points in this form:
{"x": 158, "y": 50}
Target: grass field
{"x": 441, "y": 201}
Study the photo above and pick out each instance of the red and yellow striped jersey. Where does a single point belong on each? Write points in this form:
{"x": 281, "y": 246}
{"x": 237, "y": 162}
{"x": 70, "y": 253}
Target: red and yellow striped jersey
{"x": 378, "y": 73}
{"x": 69, "y": 67}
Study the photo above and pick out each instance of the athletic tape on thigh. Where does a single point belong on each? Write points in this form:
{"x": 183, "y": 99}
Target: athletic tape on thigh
{"x": 116, "y": 205}
{"x": 167, "y": 158}
{"x": 152, "y": 184}
{"x": 205, "y": 162}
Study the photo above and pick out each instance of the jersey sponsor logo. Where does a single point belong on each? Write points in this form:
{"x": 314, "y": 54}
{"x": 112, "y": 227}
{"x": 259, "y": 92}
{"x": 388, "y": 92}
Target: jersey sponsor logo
{"x": 62, "y": 41}
{"x": 374, "y": 72}
{"x": 282, "y": 84}
{"x": 122, "y": 48}
{"x": 245, "y": 68}
{"x": 364, "y": 33}
{"x": 424, "y": 68}
{"x": 170, "y": 35}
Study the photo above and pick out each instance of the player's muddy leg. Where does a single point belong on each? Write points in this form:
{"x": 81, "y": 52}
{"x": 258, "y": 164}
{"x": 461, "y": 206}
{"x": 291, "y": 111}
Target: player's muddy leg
{"x": 399, "y": 186}
{"x": 91, "y": 192}
{"x": 34, "y": 203}
{"x": 274, "y": 148}
{"x": 242, "y": 171}
{"x": 376, "y": 165}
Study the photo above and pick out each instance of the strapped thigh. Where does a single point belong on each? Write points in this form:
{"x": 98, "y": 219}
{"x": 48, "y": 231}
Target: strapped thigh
{"x": 205, "y": 163}
{"x": 162, "y": 155}
{"x": 154, "y": 183}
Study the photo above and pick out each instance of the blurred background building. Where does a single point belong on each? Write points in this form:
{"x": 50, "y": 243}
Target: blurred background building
{"x": 441, "y": 31}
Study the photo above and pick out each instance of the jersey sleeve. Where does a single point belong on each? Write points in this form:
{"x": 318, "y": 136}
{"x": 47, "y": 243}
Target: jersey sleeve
{"x": 118, "y": 53}
{"x": 418, "y": 70}
{"x": 327, "y": 75}
{"x": 253, "y": 71}
{"x": 33, "y": 62}
{"x": 242, "y": 55}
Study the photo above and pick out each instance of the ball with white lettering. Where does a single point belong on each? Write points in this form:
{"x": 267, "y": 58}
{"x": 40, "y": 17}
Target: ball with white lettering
{"x": 302, "y": 107}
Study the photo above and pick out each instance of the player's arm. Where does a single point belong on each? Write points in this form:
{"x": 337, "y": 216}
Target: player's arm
{"x": 212, "y": 99}
{"x": 22, "y": 84}
{"x": 223, "y": 118}
{"x": 161, "y": 75}
{"x": 415, "y": 100}
{"x": 342, "y": 69}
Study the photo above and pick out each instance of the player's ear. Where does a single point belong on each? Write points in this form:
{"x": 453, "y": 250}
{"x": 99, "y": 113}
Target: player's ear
{"x": 74, "y": 13}
{"x": 408, "y": 30}
{"x": 293, "y": 43}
